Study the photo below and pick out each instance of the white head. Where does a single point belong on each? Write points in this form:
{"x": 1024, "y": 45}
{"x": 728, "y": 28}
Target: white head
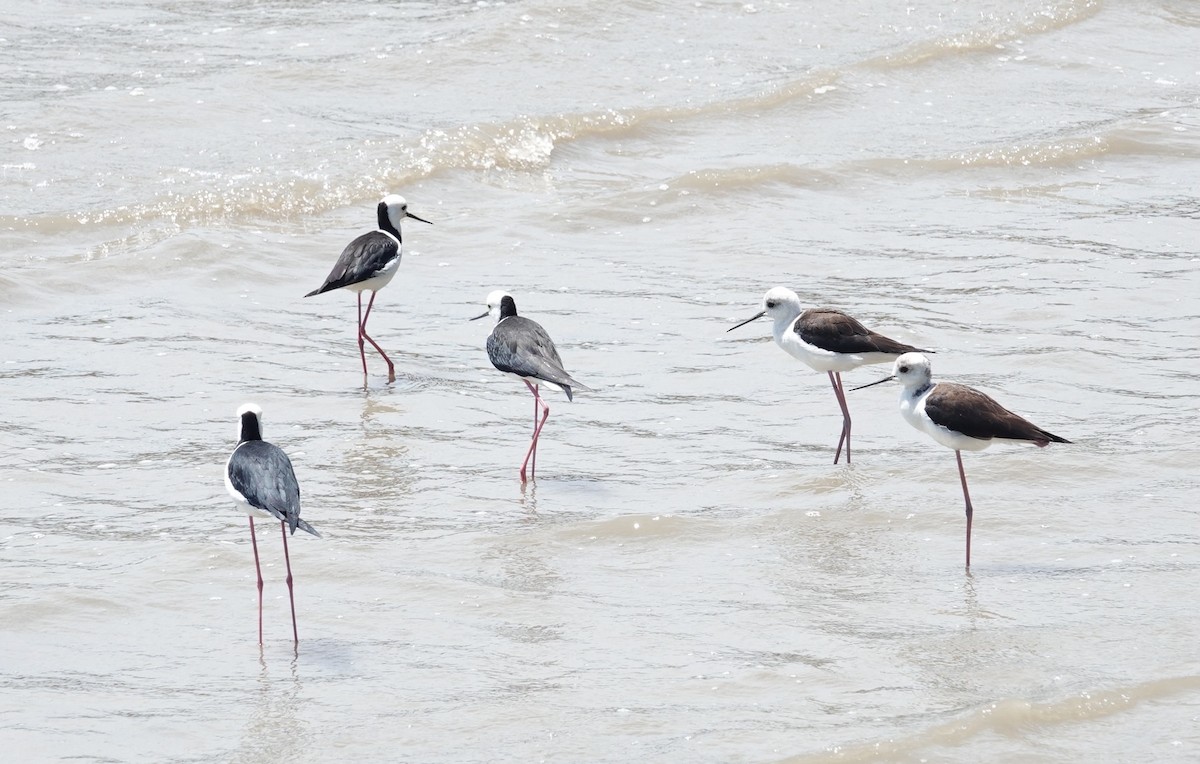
{"x": 780, "y": 304}
{"x": 397, "y": 209}
{"x": 913, "y": 370}
{"x": 249, "y": 422}
{"x": 493, "y": 305}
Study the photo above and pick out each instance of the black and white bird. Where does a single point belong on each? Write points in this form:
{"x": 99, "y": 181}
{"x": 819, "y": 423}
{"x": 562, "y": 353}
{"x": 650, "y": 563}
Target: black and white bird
{"x": 369, "y": 263}
{"x": 260, "y": 478}
{"x": 520, "y": 347}
{"x": 827, "y": 340}
{"x": 958, "y": 417}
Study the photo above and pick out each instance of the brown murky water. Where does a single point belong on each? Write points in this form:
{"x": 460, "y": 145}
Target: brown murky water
{"x": 689, "y": 578}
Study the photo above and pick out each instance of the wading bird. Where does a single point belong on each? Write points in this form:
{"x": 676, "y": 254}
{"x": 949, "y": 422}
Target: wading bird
{"x": 520, "y": 347}
{"x": 827, "y": 340}
{"x": 958, "y": 417}
{"x": 260, "y": 479}
{"x": 370, "y": 262}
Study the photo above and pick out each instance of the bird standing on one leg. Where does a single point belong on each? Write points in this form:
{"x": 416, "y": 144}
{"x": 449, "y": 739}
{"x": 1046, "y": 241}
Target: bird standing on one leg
{"x": 370, "y": 262}
{"x": 958, "y": 417}
{"x": 260, "y": 479}
{"x": 827, "y": 340}
{"x": 521, "y": 347}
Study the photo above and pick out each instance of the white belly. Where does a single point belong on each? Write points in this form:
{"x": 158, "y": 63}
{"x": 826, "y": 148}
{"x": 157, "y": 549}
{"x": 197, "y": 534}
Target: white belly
{"x": 379, "y": 280}
{"x": 819, "y": 359}
{"x": 534, "y": 381}
{"x": 913, "y": 411}
{"x": 253, "y": 511}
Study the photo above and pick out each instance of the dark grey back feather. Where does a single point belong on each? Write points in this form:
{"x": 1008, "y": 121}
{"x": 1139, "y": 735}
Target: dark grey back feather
{"x": 520, "y": 346}
{"x": 836, "y": 331}
{"x": 975, "y": 414}
{"x": 262, "y": 473}
{"x": 360, "y": 260}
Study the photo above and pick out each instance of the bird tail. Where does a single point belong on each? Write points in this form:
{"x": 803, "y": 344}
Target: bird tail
{"x": 1041, "y": 438}
{"x": 318, "y": 290}
{"x": 571, "y": 386}
{"x": 304, "y": 527}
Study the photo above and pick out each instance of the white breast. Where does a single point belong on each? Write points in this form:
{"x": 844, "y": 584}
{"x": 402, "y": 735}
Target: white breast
{"x": 820, "y": 359}
{"x": 912, "y": 408}
{"x": 380, "y": 279}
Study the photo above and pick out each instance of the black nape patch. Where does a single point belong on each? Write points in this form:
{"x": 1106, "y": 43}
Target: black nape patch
{"x": 385, "y": 222}
{"x": 250, "y": 427}
{"x": 508, "y": 306}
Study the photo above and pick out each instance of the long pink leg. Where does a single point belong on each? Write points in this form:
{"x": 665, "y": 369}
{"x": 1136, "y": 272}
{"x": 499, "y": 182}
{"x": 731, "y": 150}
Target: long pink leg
{"x": 537, "y": 431}
{"x": 291, "y": 595}
{"x": 361, "y": 351}
{"x": 363, "y": 335}
{"x": 258, "y": 572}
{"x": 845, "y": 412}
{"x": 970, "y": 510}
{"x": 536, "y": 407}
{"x": 839, "y": 392}
{"x": 536, "y": 396}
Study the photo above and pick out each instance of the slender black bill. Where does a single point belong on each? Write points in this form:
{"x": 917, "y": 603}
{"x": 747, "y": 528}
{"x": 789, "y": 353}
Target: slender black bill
{"x": 414, "y": 217}
{"x": 755, "y": 317}
{"x": 481, "y": 315}
{"x": 872, "y": 384}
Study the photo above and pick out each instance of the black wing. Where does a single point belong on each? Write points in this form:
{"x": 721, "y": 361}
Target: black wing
{"x": 360, "y": 260}
{"x": 833, "y": 330}
{"x": 966, "y": 410}
{"x": 520, "y": 346}
{"x": 262, "y": 473}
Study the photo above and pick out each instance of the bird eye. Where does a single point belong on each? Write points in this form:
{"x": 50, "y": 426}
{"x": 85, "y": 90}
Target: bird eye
{"x": 903, "y": 369}
{"x": 770, "y": 303}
